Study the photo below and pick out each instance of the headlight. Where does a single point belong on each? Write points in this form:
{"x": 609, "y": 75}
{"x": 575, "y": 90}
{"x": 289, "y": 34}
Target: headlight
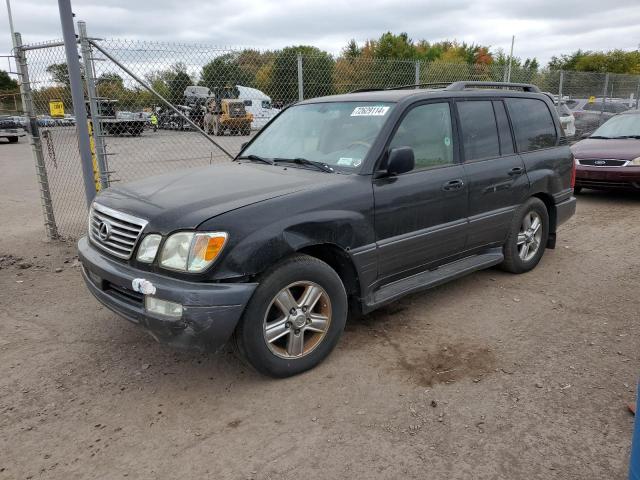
{"x": 634, "y": 163}
{"x": 149, "y": 248}
{"x": 192, "y": 251}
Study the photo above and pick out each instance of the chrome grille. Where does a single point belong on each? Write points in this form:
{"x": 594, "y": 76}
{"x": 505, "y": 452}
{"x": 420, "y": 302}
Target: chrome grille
{"x": 603, "y": 162}
{"x": 114, "y": 232}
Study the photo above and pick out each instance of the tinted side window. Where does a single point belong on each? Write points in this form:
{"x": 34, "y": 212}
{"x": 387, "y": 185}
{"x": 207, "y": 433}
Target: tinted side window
{"x": 427, "y": 129}
{"x": 532, "y": 123}
{"x": 479, "y": 130}
{"x": 506, "y": 142}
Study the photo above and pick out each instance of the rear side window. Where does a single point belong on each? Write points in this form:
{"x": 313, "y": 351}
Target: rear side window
{"x": 532, "y": 124}
{"x": 506, "y": 142}
{"x": 479, "y": 130}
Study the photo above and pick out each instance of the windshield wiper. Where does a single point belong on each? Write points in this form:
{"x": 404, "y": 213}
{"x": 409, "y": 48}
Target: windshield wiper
{"x": 627, "y": 136}
{"x": 600, "y": 137}
{"x": 256, "y": 158}
{"x": 303, "y": 161}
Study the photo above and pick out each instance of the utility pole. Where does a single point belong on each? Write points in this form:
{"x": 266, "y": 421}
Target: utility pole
{"x": 13, "y": 33}
{"x": 513, "y": 39}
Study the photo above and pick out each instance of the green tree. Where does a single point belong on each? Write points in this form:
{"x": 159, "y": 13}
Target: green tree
{"x": 6, "y": 82}
{"x": 110, "y": 78}
{"x": 614, "y": 61}
{"x": 59, "y": 73}
{"x": 317, "y": 68}
{"x": 177, "y": 85}
{"x": 223, "y": 71}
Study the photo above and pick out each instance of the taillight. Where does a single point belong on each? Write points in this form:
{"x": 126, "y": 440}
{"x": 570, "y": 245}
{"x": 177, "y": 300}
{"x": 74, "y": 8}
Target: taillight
{"x": 573, "y": 171}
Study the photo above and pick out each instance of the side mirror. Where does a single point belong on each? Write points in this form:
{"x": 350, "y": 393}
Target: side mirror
{"x": 401, "y": 160}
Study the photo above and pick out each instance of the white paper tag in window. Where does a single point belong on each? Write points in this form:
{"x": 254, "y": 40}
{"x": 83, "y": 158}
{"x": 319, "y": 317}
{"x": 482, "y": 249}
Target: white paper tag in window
{"x": 371, "y": 111}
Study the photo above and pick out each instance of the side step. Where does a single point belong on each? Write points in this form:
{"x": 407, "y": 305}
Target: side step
{"x": 433, "y": 278}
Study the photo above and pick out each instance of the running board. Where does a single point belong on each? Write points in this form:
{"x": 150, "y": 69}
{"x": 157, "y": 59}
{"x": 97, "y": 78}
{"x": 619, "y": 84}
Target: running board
{"x": 433, "y": 278}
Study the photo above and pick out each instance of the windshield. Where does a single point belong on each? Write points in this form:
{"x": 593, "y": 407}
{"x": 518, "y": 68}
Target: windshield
{"x": 338, "y": 134}
{"x": 620, "y": 126}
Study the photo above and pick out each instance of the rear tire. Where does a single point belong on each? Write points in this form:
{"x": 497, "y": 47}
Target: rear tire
{"x": 527, "y": 238}
{"x": 577, "y": 190}
{"x": 294, "y": 319}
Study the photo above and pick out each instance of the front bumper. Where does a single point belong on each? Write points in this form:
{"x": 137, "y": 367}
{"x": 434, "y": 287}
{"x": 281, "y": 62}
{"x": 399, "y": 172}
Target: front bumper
{"x": 620, "y": 178}
{"x": 211, "y": 310}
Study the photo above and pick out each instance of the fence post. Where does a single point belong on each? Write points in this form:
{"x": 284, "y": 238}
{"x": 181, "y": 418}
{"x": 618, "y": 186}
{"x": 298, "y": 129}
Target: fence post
{"x": 77, "y": 95}
{"x": 638, "y": 93}
{"x": 417, "y": 79}
{"x": 604, "y": 95}
{"x": 300, "y": 81}
{"x": 560, "y": 85}
{"x": 89, "y": 78}
{"x": 36, "y": 143}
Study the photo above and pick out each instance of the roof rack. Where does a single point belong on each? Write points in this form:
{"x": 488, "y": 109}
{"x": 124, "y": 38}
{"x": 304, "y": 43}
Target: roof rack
{"x": 360, "y": 90}
{"x": 456, "y": 86}
{"x": 459, "y": 86}
{"x": 414, "y": 85}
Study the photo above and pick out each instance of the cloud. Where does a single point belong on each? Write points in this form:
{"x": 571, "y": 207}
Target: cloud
{"x": 543, "y": 28}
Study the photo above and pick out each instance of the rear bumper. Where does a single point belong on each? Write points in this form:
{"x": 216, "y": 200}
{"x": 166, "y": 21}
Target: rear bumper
{"x": 621, "y": 178}
{"x": 211, "y": 310}
{"x": 565, "y": 210}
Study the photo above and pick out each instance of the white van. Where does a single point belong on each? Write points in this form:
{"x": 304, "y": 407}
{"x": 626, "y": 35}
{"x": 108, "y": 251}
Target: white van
{"x": 258, "y": 104}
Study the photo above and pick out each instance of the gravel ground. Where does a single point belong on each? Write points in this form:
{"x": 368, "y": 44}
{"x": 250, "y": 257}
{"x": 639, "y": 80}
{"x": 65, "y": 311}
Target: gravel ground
{"x": 493, "y": 376}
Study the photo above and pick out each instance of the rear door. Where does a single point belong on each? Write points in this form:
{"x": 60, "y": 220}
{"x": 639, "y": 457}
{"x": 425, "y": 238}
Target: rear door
{"x": 495, "y": 172}
{"x": 420, "y": 216}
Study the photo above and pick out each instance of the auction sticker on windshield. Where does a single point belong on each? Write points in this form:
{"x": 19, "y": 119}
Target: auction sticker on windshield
{"x": 372, "y": 111}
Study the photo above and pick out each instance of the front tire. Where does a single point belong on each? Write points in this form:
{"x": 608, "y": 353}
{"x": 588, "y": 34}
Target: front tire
{"x": 527, "y": 238}
{"x": 13, "y": 139}
{"x": 577, "y": 190}
{"x": 294, "y": 319}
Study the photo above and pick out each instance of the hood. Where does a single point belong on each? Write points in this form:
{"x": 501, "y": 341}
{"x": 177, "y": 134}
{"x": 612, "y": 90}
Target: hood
{"x": 621, "y": 149}
{"x": 187, "y": 198}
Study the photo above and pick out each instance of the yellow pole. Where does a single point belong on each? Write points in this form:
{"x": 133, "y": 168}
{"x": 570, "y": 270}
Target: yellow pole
{"x": 94, "y": 159}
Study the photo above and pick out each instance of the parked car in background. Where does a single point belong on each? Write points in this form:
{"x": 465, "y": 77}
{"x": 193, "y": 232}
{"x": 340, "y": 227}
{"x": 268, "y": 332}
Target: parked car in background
{"x": 46, "y": 121}
{"x": 10, "y": 129}
{"x": 589, "y": 116}
{"x": 20, "y": 120}
{"x": 610, "y": 157}
{"x": 567, "y": 120}
{"x": 339, "y": 205}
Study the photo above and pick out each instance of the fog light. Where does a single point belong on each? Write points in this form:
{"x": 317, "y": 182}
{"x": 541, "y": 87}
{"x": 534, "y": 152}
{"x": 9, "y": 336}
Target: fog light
{"x": 162, "y": 307}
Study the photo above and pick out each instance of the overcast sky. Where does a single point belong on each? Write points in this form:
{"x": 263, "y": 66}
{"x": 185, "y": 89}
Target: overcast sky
{"x": 543, "y": 28}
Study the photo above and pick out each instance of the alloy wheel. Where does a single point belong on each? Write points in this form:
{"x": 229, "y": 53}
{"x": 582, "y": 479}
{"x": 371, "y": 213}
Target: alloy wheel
{"x": 297, "y": 319}
{"x": 530, "y": 236}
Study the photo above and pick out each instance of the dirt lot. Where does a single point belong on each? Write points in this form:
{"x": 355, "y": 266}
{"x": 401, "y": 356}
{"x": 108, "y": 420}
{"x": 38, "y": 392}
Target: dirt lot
{"x": 493, "y": 376}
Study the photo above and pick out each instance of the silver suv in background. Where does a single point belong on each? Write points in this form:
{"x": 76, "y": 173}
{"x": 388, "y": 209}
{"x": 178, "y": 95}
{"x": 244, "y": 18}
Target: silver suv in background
{"x": 10, "y": 129}
{"x": 567, "y": 120}
{"x": 590, "y": 116}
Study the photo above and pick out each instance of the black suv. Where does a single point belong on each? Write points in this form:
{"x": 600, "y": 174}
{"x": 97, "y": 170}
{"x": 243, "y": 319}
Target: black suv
{"x": 340, "y": 205}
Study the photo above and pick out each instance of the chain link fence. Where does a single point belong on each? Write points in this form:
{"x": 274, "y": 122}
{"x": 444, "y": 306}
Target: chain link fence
{"x": 158, "y": 107}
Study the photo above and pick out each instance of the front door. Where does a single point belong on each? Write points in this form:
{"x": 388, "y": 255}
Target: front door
{"x": 420, "y": 216}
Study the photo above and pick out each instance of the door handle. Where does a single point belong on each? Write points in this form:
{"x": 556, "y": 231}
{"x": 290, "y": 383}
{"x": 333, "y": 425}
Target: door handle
{"x": 515, "y": 171}
{"x": 456, "y": 184}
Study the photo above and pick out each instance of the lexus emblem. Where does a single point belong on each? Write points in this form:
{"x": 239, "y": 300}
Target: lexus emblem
{"x": 104, "y": 231}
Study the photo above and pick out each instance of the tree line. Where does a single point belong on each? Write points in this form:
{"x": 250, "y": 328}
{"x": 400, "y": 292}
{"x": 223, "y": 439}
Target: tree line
{"x": 387, "y": 61}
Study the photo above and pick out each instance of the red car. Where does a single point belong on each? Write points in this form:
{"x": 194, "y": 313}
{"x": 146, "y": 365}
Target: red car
{"x": 610, "y": 157}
